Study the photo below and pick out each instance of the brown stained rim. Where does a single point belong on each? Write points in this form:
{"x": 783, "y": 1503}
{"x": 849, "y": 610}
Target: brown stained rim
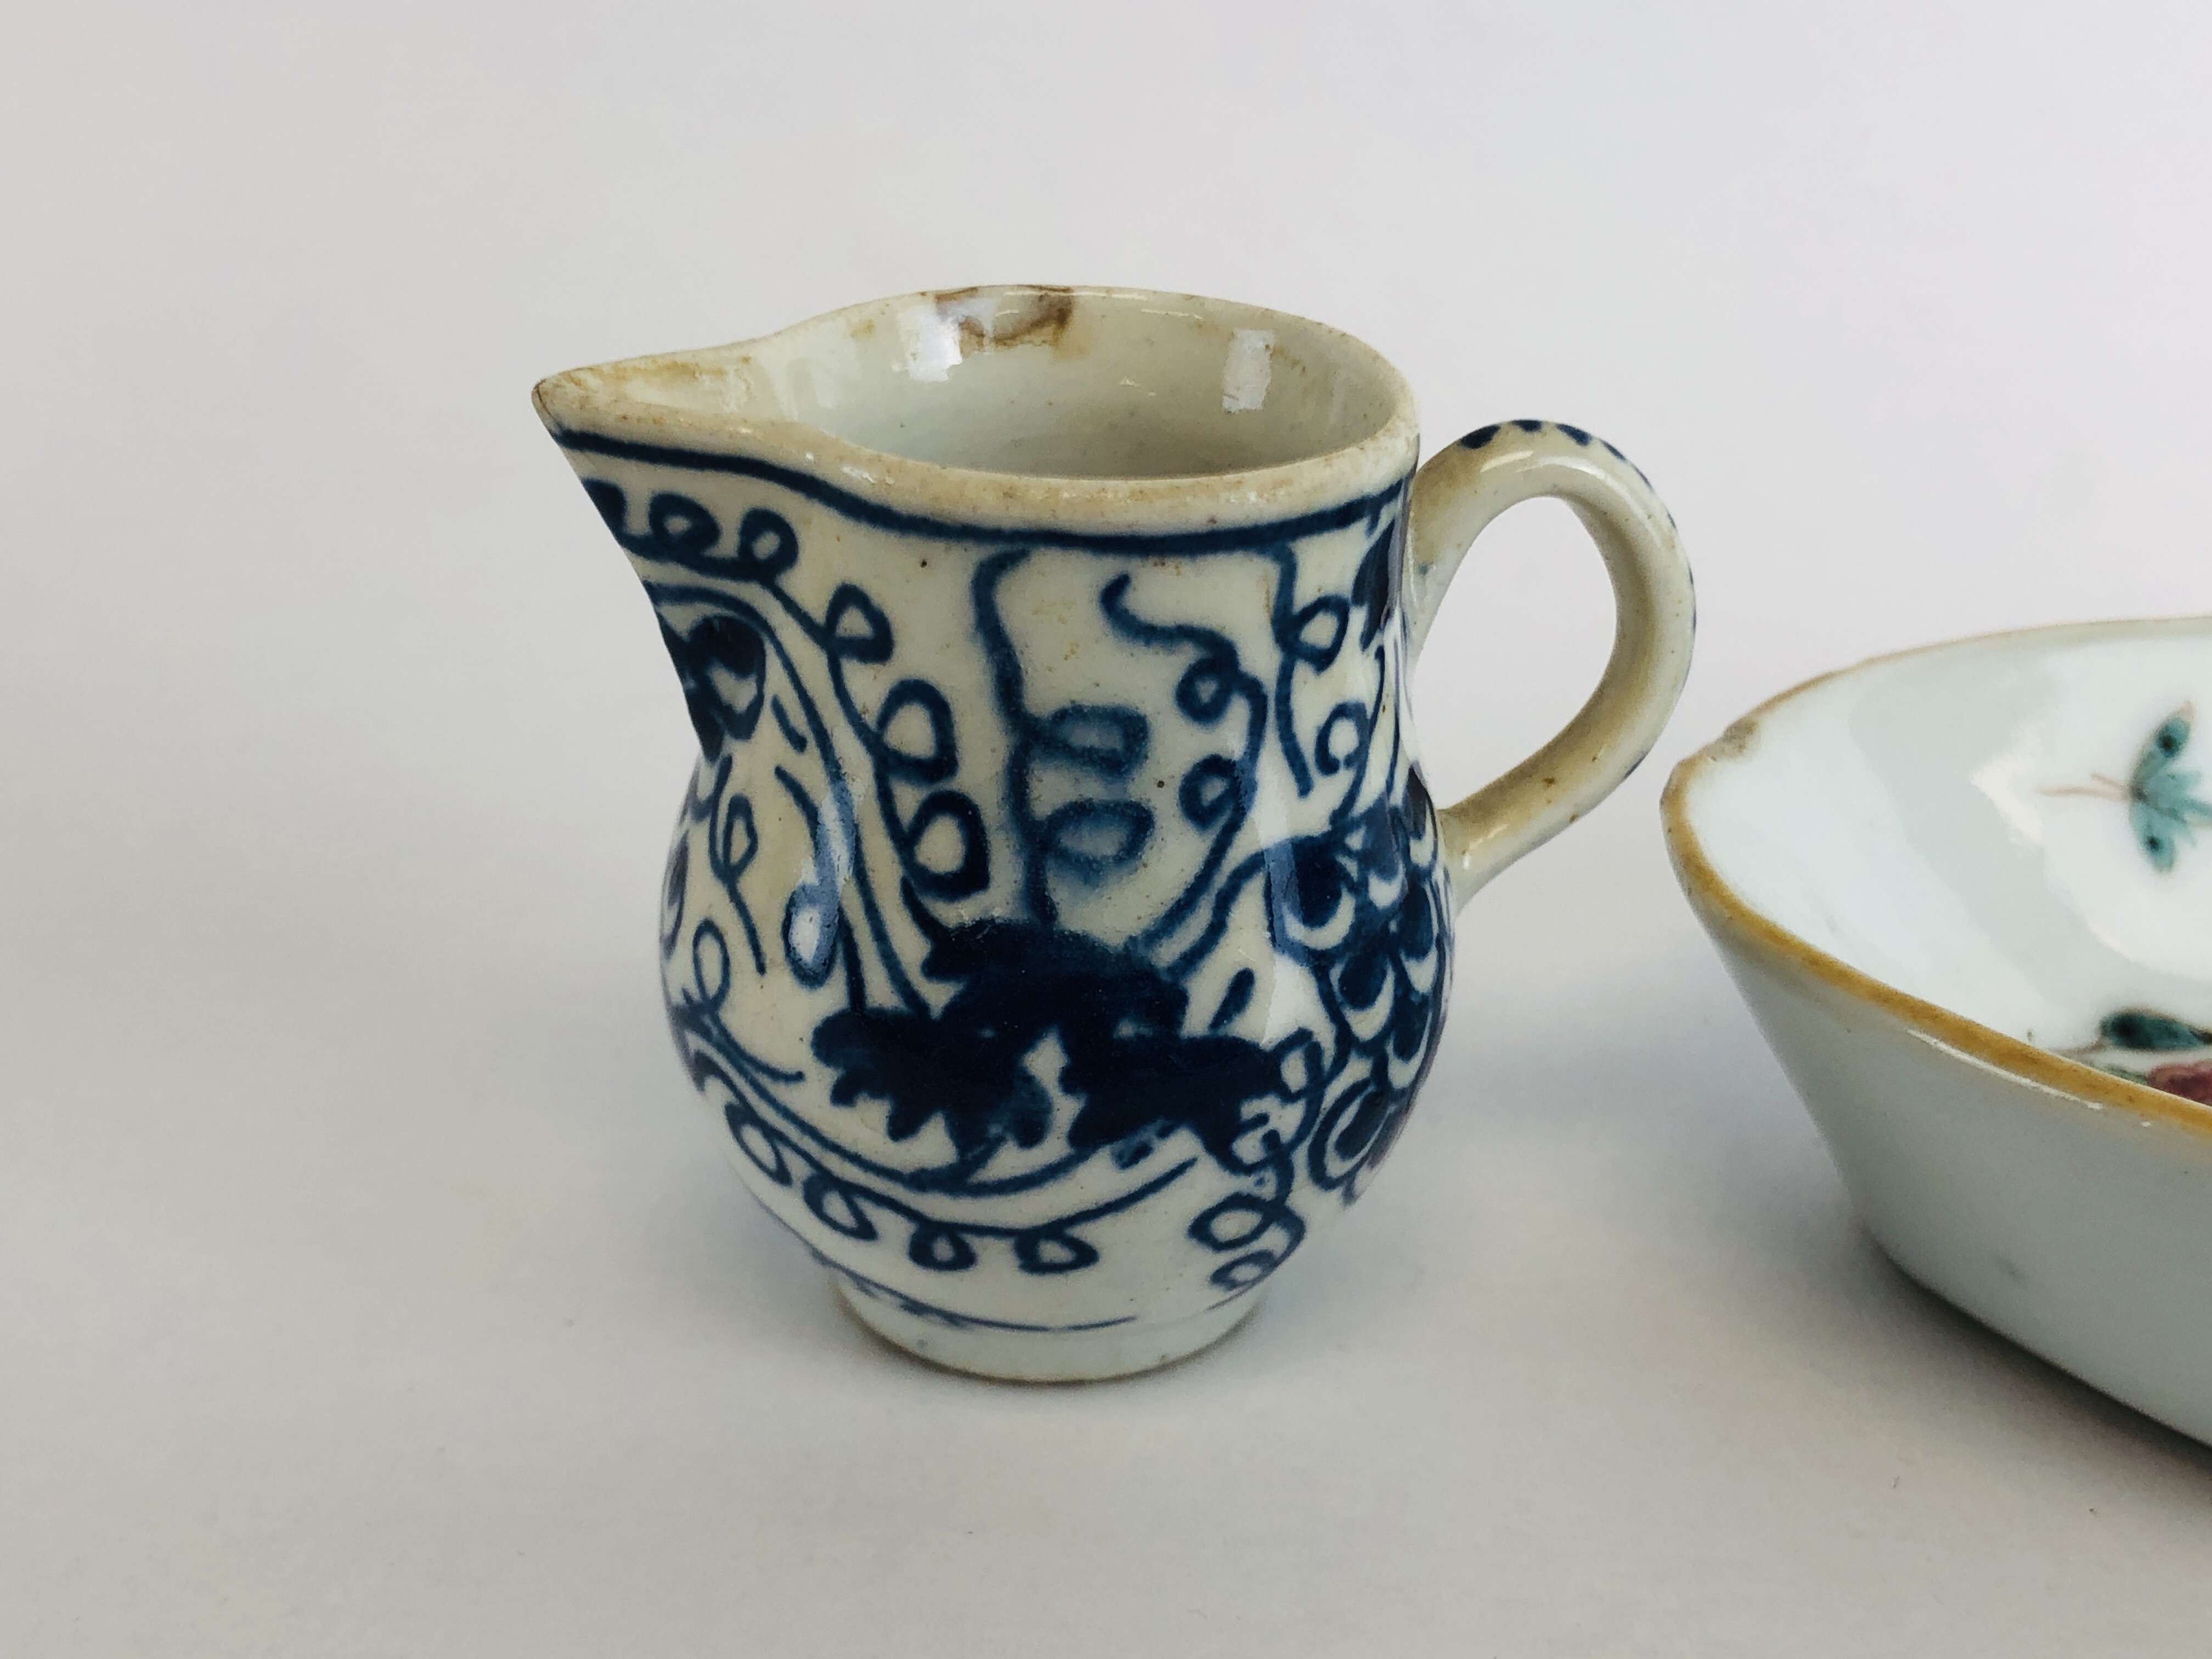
{"x": 1721, "y": 906}
{"x": 593, "y": 402}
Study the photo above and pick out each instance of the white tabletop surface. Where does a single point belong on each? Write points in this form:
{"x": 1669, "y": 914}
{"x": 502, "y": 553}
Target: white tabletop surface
{"x": 368, "y": 1285}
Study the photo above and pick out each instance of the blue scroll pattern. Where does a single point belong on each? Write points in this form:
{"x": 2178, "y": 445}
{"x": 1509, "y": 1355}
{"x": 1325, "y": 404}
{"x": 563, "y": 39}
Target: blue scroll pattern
{"x": 973, "y": 1014}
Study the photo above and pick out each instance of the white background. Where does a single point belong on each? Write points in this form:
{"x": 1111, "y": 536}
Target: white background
{"x": 367, "y": 1284}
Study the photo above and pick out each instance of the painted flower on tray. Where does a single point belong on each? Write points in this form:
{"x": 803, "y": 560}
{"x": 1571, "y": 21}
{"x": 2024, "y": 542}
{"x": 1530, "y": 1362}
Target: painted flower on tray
{"x": 2192, "y": 1081}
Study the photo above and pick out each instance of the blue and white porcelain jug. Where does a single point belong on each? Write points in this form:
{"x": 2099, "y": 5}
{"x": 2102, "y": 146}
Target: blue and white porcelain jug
{"x": 1057, "y": 922}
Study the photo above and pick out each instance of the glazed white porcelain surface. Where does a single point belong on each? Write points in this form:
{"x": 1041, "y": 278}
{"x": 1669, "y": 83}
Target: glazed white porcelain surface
{"x": 1057, "y": 922}
{"x": 1967, "y": 892}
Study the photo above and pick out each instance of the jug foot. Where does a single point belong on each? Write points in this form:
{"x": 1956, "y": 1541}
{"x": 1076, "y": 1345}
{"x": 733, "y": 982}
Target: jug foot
{"x": 1022, "y": 1356}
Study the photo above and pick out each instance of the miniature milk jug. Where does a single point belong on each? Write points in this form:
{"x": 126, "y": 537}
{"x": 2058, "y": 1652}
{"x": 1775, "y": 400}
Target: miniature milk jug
{"x": 1057, "y": 925}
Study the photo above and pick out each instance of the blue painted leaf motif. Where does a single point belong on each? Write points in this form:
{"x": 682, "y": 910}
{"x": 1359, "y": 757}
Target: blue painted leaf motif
{"x": 1355, "y": 904}
{"x": 2161, "y": 801}
{"x": 722, "y": 666}
{"x": 1234, "y": 1000}
{"x": 1119, "y": 1021}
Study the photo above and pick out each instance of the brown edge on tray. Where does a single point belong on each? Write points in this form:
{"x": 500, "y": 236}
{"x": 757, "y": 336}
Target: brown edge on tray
{"x": 1721, "y": 907}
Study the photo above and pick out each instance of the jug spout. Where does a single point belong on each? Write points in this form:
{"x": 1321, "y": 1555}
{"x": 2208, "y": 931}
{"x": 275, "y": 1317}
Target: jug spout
{"x": 621, "y": 426}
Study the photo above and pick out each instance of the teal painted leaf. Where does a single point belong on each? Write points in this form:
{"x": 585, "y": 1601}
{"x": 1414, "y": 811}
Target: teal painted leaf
{"x": 2147, "y": 1030}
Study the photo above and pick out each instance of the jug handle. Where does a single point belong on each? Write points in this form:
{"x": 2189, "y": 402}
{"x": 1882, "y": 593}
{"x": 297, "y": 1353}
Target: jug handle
{"x": 1455, "y": 497}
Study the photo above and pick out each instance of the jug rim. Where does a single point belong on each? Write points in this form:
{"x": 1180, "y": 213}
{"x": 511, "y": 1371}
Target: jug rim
{"x": 715, "y": 406}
